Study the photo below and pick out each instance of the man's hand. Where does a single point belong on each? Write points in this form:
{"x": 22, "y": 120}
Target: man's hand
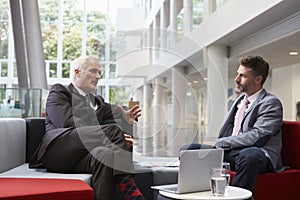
{"x": 131, "y": 114}
{"x": 212, "y": 143}
{"x": 129, "y": 140}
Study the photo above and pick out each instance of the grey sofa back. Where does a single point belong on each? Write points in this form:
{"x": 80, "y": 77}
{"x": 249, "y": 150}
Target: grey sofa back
{"x": 12, "y": 143}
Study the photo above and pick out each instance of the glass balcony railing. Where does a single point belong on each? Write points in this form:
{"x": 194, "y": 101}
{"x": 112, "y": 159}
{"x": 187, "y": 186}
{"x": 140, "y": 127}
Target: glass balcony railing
{"x": 22, "y": 103}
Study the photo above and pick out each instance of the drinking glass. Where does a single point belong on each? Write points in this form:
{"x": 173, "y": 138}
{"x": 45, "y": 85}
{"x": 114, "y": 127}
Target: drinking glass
{"x": 226, "y": 172}
{"x": 217, "y": 181}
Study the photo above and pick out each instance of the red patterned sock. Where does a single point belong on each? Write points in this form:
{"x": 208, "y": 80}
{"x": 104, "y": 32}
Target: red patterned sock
{"x": 129, "y": 188}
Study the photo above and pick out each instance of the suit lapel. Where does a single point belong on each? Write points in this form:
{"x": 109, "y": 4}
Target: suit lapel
{"x": 259, "y": 98}
{"x": 227, "y": 127}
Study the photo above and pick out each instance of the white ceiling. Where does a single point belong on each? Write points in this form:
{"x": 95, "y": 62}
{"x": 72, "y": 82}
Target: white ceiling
{"x": 275, "y": 50}
{"x": 285, "y": 17}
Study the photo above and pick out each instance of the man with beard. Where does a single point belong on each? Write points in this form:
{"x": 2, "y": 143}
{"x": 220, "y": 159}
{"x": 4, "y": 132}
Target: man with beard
{"x": 253, "y": 144}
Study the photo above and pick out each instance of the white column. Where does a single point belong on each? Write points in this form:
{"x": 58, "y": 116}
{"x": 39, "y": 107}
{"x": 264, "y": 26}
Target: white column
{"x": 209, "y": 6}
{"x": 147, "y": 137}
{"x": 159, "y": 117}
{"x": 155, "y": 35}
{"x": 179, "y": 84}
{"x": 187, "y": 6}
{"x": 173, "y": 22}
{"x": 163, "y": 27}
{"x": 35, "y": 53}
{"x": 215, "y": 58}
{"x": 19, "y": 41}
{"x": 150, "y": 44}
{"x": 176, "y": 133}
{"x": 34, "y": 45}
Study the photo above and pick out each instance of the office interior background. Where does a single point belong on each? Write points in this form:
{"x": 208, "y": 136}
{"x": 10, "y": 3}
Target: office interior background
{"x": 178, "y": 58}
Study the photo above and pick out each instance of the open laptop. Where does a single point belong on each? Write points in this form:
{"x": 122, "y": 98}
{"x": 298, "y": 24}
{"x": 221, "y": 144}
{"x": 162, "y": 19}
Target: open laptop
{"x": 194, "y": 171}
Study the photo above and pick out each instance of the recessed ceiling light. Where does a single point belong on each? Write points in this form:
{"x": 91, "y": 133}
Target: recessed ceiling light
{"x": 293, "y": 53}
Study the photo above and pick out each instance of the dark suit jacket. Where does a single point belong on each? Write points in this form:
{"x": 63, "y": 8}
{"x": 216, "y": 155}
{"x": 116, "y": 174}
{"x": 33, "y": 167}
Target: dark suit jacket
{"x": 66, "y": 110}
{"x": 261, "y": 127}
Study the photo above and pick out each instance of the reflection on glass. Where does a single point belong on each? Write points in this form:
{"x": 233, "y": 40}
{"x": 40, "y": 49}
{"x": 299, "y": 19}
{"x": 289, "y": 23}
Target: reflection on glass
{"x": 197, "y": 12}
{"x": 219, "y": 3}
{"x": 180, "y": 24}
{"x": 119, "y": 95}
{"x": 21, "y": 103}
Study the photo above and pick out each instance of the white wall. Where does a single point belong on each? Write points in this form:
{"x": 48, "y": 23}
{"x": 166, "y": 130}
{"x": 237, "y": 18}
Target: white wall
{"x": 296, "y": 88}
{"x": 285, "y": 84}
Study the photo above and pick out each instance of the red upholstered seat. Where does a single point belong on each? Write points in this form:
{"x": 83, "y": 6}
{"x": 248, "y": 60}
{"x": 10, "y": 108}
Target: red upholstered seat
{"x": 277, "y": 186}
{"x": 291, "y": 144}
{"x": 44, "y": 189}
{"x": 282, "y": 185}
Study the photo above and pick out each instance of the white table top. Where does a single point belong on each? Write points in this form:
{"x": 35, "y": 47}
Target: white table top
{"x": 232, "y": 193}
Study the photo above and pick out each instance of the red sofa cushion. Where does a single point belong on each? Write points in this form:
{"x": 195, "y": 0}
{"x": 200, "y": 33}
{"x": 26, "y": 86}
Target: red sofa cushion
{"x": 291, "y": 144}
{"x": 44, "y": 189}
{"x": 282, "y": 185}
{"x": 277, "y": 186}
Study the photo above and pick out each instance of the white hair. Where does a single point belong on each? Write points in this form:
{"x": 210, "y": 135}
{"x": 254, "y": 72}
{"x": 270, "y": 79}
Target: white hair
{"x": 80, "y": 63}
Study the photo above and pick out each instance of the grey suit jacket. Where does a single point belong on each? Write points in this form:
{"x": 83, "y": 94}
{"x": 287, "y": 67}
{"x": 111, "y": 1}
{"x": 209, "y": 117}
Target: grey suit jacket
{"x": 261, "y": 127}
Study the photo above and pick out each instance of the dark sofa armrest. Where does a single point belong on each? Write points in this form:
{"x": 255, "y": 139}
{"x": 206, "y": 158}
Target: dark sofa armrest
{"x": 35, "y": 130}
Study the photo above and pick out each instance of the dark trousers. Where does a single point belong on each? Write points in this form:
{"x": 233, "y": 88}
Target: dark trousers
{"x": 100, "y": 150}
{"x": 247, "y": 162}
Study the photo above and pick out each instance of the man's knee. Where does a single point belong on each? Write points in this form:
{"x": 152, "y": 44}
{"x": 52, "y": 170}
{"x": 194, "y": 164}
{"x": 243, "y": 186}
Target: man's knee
{"x": 250, "y": 157}
{"x": 112, "y": 128}
{"x": 103, "y": 155}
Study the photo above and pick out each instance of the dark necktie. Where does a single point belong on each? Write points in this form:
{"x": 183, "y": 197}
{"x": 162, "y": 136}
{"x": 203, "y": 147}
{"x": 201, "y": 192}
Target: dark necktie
{"x": 87, "y": 100}
{"x": 240, "y": 116}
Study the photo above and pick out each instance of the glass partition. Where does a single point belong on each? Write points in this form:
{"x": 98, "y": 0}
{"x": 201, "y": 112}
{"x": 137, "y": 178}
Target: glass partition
{"x": 22, "y": 103}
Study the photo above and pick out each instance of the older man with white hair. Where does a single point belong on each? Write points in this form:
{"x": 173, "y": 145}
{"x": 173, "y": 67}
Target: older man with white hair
{"x": 78, "y": 140}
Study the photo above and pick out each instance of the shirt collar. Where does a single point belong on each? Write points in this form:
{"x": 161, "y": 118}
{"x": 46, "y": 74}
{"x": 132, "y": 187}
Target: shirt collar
{"x": 254, "y": 96}
{"x": 80, "y": 91}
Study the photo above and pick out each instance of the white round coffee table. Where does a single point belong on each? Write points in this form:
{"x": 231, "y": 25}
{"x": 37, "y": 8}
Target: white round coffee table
{"x": 232, "y": 193}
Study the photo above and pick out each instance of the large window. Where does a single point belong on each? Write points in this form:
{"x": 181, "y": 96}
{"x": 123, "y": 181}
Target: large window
{"x": 119, "y": 95}
{"x": 219, "y": 3}
{"x": 71, "y": 29}
{"x": 4, "y": 25}
{"x": 180, "y": 24}
{"x": 4, "y": 68}
{"x": 68, "y": 30}
{"x": 4, "y": 10}
{"x": 197, "y": 12}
